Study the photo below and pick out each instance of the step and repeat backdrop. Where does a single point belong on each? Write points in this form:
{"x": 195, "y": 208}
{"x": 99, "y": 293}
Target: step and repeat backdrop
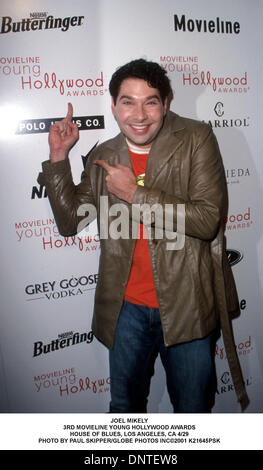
{"x": 52, "y": 53}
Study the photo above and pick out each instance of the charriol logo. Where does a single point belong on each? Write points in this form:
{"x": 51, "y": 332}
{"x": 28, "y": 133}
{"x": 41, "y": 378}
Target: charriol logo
{"x": 225, "y": 122}
{"x": 225, "y": 378}
{"x": 234, "y": 257}
{"x": 227, "y": 384}
{"x": 219, "y": 109}
{"x": 39, "y": 21}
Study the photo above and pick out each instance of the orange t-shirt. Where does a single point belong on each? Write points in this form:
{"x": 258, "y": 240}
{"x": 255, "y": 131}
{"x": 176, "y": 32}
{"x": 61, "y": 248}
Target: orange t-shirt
{"x": 140, "y": 287}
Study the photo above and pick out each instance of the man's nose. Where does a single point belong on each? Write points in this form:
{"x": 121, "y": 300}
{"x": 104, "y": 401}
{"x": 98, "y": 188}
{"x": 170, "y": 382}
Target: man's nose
{"x": 140, "y": 112}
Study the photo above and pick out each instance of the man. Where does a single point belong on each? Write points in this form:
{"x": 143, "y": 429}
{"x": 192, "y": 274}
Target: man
{"x": 151, "y": 299}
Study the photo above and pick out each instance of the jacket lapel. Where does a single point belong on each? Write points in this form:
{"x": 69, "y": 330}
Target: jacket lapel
{"x": 166, "y": 144}
{"x": 121, "y": 151}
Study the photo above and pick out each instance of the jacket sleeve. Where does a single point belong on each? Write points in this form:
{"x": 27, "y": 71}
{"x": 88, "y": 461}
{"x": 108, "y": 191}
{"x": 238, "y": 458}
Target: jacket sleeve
{"x": 65, "y": 197}
{"x": 206, "y": 200}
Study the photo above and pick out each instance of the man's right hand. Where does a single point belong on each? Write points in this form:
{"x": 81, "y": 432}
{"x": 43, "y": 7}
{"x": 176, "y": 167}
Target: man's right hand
{"x": 62, "y": 136}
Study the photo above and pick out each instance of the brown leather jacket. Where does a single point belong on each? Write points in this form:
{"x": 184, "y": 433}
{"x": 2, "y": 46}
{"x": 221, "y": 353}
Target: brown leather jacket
{"x": 184, "y": 167}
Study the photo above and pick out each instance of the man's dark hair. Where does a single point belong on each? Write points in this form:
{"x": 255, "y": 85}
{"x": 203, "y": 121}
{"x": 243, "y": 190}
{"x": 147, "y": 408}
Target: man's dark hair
{"x": 151, "y": 72}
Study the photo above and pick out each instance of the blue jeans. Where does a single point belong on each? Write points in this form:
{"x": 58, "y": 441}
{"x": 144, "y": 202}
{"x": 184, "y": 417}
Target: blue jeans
{"x": 189, "y": 366}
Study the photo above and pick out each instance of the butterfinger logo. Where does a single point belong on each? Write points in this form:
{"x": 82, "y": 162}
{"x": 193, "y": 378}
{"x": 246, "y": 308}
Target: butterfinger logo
{"x": 33, "y": 24}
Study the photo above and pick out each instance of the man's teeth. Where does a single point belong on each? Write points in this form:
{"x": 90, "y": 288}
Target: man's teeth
{"x": 140, "y": 127}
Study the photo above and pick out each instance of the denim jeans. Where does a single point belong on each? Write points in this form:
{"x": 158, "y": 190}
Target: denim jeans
{"x": 189, "y": 366}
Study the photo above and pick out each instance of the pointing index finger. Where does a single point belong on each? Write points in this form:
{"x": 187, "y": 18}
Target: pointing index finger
{"x": 104, "y": 165}
{"x": 69, "y": 115}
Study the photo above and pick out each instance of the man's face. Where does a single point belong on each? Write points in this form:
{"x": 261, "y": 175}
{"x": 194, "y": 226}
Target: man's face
{"x": 139, "y": 111}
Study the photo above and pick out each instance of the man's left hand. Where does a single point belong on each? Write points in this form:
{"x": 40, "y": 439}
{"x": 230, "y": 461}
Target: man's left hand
{"x": 120, "y": 180}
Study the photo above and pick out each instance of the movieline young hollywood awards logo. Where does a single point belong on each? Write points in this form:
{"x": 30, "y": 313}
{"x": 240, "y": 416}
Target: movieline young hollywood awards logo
{"x": 27, "y": 70}
{"x": 218, "y": 82}
{"x": 244, "y": 347}
{"x": 239, "y": 220}
{"x": 39, "y": 21}
{"x": 68, "y": 86}
{"x": 193, "y": 75}
{"x": 45, "y": 232}
{"x": 67, "y": 382}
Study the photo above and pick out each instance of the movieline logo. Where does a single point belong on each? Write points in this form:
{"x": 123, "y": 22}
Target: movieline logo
{"x": 38, "y": 22}
{"x": 202, "y": 25}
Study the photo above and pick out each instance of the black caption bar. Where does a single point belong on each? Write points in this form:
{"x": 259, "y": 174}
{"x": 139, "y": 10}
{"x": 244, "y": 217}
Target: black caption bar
{"x": 121, "y": 459}
{"x": 39, "y": 126}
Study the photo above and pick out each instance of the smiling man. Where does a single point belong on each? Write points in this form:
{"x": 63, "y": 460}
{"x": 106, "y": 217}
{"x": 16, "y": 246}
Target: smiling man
{"x": 150, "y": 300}
{"x": 138, "y": 111}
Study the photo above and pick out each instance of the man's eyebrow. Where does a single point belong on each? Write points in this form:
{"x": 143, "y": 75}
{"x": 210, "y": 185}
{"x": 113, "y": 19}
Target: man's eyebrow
{"x": 127, "y": 97}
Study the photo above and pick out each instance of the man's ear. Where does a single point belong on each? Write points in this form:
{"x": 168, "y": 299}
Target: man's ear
{"x": 112, "y": 106}
{"x": 165, "y": 106}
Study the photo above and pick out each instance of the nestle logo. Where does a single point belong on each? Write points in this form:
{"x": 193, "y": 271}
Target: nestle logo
{"x": 37, "y": 15}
